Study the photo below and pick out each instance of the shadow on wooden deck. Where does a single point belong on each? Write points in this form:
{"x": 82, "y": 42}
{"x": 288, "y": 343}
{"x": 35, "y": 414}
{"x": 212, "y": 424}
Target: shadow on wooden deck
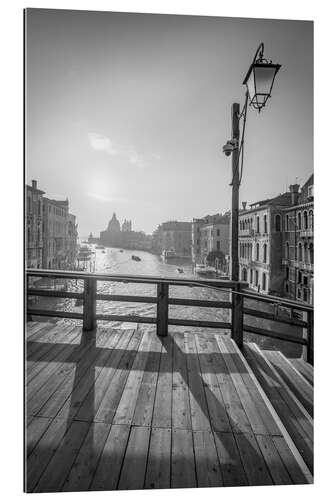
{"x": 129, "y": 410}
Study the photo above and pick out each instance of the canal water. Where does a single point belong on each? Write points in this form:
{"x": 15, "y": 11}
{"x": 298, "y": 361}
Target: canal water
{"x": 117, "y": 261}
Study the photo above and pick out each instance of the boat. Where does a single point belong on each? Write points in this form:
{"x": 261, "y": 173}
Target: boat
{"x": 168, "y": 255}
{"x": 100, "y": 247}
{"x": 121, "y": 250}
{"x": 136, "y": 258}
{"x": 202, "y": 270}
{"x": 180, "y": 270}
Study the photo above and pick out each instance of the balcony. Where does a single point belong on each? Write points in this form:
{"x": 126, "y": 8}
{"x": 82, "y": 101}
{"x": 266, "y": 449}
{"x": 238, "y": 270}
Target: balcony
{"x": 113, "y": 407}
{"x": 306, "y": 233}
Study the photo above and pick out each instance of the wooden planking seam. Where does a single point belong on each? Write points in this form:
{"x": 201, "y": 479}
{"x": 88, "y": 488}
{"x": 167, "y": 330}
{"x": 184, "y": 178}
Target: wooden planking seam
{"x": 300, "y": 461}
{"x": 283, "y": 389}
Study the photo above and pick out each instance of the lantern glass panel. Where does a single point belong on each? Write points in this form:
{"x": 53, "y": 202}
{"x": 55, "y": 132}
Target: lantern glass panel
{"x": 250, "y": 86}
{"x": 264, "y": 77}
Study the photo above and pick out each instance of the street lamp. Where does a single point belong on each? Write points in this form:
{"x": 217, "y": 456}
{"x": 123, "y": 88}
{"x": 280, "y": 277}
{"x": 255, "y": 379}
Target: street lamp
{"x": 259, "y": 82}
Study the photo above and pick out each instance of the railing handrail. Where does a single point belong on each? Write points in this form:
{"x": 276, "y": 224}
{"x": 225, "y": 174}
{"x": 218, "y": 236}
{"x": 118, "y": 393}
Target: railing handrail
{"x": 162, "y": 300}
{"x": 218, "y": 283}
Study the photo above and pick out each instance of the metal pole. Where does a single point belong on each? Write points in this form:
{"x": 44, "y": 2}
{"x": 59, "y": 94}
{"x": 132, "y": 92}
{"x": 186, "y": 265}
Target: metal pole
{"x": 235, "y": 195}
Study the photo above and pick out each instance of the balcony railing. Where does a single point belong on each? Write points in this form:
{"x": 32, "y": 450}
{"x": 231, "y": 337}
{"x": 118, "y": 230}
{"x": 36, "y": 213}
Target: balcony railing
{"x": 306, "y": 233}
{"x": 239, "y": 292}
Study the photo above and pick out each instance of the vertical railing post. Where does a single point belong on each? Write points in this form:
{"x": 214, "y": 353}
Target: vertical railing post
{"x": 89, "y": 304}
{"x": 162, "y": 309}
{"x": 237, "y": 315}
{"x": 309, "y": 351}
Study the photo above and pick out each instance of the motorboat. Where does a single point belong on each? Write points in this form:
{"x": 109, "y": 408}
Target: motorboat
{"x": 203, "y": 270}
{"x": 180, "y": 270}
{"x": 136, "y": 258}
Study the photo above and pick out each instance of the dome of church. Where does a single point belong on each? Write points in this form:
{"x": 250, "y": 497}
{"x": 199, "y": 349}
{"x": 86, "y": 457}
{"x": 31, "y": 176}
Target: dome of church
{"x": 114, "y": 224}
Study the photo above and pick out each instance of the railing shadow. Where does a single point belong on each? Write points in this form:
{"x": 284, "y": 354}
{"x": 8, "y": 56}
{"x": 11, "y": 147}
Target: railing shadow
{"x": 62, "y": 466}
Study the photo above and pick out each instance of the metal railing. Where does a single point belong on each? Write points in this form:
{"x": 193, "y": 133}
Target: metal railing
{"x": 238, "y": 291}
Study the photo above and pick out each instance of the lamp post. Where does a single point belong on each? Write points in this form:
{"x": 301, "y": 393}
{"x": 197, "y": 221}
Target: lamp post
{"x": 259, "y": 82}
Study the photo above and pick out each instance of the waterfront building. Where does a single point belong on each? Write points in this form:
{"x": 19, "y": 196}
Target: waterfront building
{"x": 125, "y": 237}
{"x": 112, "y": 235}
{"x": 298, "y": 259}
{"x": 210, "y": 234}
{"x": 260, "y": 242}
{"x": 126, "y": 226}
{"x": 72, "y": 235}
{"x": 34, "y": 225}
{"x": 55, "y": 234}
{"x": 173, "y": 236}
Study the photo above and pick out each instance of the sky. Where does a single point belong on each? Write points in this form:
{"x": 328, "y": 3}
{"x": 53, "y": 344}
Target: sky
{"x": 128, "y": 113}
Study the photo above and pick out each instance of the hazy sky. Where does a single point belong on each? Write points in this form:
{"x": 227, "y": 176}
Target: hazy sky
{"x": 128, "y": 112}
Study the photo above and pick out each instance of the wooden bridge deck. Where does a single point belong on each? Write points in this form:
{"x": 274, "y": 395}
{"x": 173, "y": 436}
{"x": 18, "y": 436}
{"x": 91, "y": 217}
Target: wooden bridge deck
{"x": 125, "y": 409}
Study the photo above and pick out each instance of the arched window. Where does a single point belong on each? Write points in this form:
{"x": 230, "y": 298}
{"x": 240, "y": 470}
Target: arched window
{"x": 300, "y": 252}
{"x": 299, "y": 220}
{"x": 287, "y": 222}
{"x": 265, "y": 252}
{"x": 258, "y": 224}
{"x": 264, "y": 281}
{"x": 278, "y": 223}
{"x": 305, "y": 219}
{"x": 251, "y": 276}
{"x": 287, "y": 250}
{"x": 311, "y": 253}
{"x": 257, "y": 251}
{"x": 265, "y": 224}
{"x": 305, "y": 295}
{"x": 306, "y": 260}
{"x": 310, "y": 219}
{"x": 244, "y": 275}
{"x": 287, "y": 273}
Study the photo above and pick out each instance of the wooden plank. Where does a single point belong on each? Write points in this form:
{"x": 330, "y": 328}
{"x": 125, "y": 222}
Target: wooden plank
{"x": 274, "y": 335}
{"x": 74, "y": 387}
{"x": 253, "y": 462}
{"x": 43, "y": 452}
{"x": 34, "y": 431}
{"x": 159, "y": 457}
{"x": 119, "y": 397}
{"x": 108, "y": 469}
{"x": 132, "y": 474}
{"x": 295, "y": 420}
{"x": 294, "y": 380}
{"x": 60, "y": 464}
{"x": 261, "y": 411}
{"x": 85, "y": 463}
{"x": 206, "y": 459}
{"x": 34, "y": 329}
{"x": 145, "y": 402}
{"x": 231, "y": 465}
{"x": 84, "y": 404}
{"x": 181, "y": 411}
{"x": 199, "y": 324}
{"x": 182, "y": 463}
{"x": 295, "y": 472}
{"x": 41, "y": 388}
{"x": 52, "y": 345}
{"x": 219, "y": 304}
{"x": 199, "y": 410}
{"x": 279, "y": 391}
{"x": 225, "y": 409}
{"x": 304, "y": 368}
{"x": 125, "y": 411}
{"x": 273, "y": 460}
{"x": 162, "y": 412}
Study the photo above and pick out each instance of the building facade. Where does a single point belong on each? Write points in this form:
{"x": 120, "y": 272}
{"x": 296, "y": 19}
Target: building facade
{"x": 298, "y": 246}
{"x": 55, "y": 233}
{"x": 173, "y": 236}
{"x": 210, "y": 234}
{"x": 34, "y": 226}
{"x": 125, "y": 237}
{"x": 260, "y": 243}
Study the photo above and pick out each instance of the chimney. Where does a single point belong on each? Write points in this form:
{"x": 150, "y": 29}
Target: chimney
{"x": 34, "y": 184}
{"x": 294, "y": 193}
{"x": 244, "y": 203}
